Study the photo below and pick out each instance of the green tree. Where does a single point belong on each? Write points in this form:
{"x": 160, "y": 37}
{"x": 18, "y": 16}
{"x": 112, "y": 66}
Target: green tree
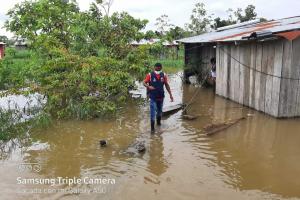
{"x": 199, "y": 19}
{"x": 177, "y": 33}
{"x": 103, "y": 31}
{"x": 249, "y": 13}
{"x": 76, "y": 83}
{"x": 150, "y": 35}
{"x": 218, "y": 22}
{"x": 46, "y": 23}
{"x": 235, "y": 16}
{"x": 163, "y": 24}
{"x": 106, "y": 5}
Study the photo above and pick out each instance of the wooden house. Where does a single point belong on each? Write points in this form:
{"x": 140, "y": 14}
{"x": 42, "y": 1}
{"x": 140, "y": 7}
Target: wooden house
{"x": 257, "y": 63}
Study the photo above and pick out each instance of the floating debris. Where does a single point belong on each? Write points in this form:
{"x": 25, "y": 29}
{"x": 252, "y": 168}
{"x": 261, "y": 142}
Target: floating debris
{"x": 214, "y": 128}
{"x": 172, "y": 109}
{"x": 136, "y": 94}
{"x": 103, "y": 143}
{"x": 189, "y": 117}
{"x": 136, "y": 148}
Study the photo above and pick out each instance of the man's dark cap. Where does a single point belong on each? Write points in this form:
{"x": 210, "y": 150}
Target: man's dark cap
{"x": 158, "y": 65}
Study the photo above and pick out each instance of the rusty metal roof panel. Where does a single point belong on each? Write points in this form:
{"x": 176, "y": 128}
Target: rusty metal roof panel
{"x": 241, "y": 31}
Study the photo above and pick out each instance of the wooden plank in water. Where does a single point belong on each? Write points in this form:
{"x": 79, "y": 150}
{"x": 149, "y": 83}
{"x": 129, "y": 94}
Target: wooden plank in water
{"x": 190, "y": 117}
{"x": 172, "y": 109}
{"x": 215, "y": 128}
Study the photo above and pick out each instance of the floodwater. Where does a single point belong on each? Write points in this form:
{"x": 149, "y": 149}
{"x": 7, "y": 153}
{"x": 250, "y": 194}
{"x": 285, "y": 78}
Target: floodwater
{"x": 258, "y": 158}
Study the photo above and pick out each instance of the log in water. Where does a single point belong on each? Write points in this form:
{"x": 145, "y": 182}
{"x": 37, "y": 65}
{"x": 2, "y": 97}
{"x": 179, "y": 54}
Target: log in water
{"x": 214, "y": 128}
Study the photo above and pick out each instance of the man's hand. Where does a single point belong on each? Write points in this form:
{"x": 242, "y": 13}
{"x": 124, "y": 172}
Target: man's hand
{"x": 171, "y": 97}
{"x": 151, "y": 88}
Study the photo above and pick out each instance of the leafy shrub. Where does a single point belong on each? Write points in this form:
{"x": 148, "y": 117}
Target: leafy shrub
{"x": 83, "y": 88}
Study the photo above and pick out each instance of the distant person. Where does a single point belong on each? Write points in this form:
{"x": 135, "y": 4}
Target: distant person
{"x": 155, "y": 82}
{"x": 213, "y": 73}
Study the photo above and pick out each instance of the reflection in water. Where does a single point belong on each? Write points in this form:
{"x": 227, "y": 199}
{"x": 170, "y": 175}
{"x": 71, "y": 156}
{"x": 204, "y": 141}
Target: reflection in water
{"x": 260, "y": 153}
{"x": 157, "y": 164}
{"x": 258, "y": 158}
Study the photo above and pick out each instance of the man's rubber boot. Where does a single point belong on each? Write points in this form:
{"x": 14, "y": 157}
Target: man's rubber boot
{"x": 152, "y": 126}
{"x": 158, "y": 120}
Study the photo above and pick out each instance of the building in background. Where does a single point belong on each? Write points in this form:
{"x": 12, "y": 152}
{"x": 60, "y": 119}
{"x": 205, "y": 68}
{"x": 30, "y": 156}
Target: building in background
{"x": 2, "y": 50}
{"x": 21, "y": 44}
{"x": 257, "y": 63}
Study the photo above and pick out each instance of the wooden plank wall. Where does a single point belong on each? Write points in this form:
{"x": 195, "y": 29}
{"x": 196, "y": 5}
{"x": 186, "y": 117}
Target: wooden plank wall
{"x": 219, "y": 68}
{"x": 245, "y": 59}
{"x": 250, "y": 75}
{"x": 224, "y": 71}
{"x": 296, "y": 64}
{"x": 235, "y": 79}
{"x": 286, "y": 84}
{"x": 258, "y": 96}
{"x": 289, "y": 92}
{"x": 276, "y": 81}
{"x": 268, "y": 54}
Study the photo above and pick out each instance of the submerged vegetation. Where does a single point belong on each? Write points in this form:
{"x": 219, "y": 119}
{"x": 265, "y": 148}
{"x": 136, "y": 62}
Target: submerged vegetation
{"x": 81, "y": 62}
{"x": 65, "y": 64}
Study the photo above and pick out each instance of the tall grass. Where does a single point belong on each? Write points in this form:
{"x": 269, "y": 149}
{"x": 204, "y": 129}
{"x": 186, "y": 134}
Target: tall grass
{"x": 15, "y": 66}
{"x": 170, "y": 65}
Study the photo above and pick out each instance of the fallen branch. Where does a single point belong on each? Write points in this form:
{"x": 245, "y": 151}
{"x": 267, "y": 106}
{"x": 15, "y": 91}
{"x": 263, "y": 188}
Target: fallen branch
{"x": 214, "y": 128}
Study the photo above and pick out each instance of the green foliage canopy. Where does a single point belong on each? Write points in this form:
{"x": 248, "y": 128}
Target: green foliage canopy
{"x": 76, "y": 79}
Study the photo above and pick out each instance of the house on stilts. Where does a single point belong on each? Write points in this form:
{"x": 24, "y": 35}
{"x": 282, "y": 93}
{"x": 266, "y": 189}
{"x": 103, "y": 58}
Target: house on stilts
{"x": 257, "y": 63}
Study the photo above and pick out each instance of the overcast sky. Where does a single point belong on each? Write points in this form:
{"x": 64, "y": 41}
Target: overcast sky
{"x": 179, "y": 11}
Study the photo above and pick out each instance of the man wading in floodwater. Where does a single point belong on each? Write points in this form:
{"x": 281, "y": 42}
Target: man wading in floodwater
{"x": 154, "y": 82}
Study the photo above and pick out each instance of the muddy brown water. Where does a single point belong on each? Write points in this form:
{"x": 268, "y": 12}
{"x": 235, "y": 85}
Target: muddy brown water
{"x": 258, "y": 158}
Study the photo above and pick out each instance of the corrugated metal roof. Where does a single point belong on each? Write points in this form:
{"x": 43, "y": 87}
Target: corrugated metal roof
{"x": 243, "y": 31}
